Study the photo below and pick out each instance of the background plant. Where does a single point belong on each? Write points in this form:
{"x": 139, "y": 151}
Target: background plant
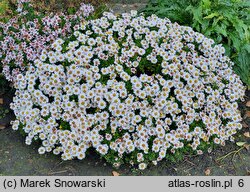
{"x": 25, "y": 29}
{"x": 33, "y": 27}
{"x": 225, "y": 21}
{"x": 53, "y": 5}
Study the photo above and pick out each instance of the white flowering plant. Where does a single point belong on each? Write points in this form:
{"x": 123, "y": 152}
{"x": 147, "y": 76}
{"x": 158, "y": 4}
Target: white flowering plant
{"x": 24, "y": 36}
{"x": 135, "y": 89}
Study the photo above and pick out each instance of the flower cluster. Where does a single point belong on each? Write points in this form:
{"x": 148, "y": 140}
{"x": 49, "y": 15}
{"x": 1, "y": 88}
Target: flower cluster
{"x": 25, "y": 36}
{"x": 21, "y": 4}
{"x": 132, "y": 88}
{"x": 84, "y": 11}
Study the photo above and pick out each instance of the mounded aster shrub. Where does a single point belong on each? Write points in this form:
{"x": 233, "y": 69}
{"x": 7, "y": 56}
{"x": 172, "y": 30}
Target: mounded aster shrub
{"x": 134, "y": 89}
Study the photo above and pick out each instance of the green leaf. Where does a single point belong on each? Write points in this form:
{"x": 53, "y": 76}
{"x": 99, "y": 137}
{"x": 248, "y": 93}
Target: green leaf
{"x": 247, "y": 48}
{"x": 205, "y": 26}
{"x": 240, "y": 144}
{"x": 219, "y": 38}
{"x": 212, "y": 15}
{"x": 206, "y": 4}
{"x": 221, "y": 29}
{"x": 197, "y": 13}
{"x": 217, "y": 20}
{"x": 236, "y": 40}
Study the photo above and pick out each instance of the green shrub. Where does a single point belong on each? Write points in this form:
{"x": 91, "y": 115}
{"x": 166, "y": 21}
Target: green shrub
{"x": 225, "y": 21}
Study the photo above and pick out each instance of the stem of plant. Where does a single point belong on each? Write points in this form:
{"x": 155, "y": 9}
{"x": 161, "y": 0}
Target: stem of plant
{"x": 232, "y": 152}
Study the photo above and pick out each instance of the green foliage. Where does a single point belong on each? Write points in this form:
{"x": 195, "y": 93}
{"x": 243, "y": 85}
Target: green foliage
{"x": 64, "y": 125}
{"x": 3, "y": 6}
{"x": 3, "y": 112}
{"x": 225, "y": 21}
{"x": 5, "y": 11}
{"x": 99, "y": 11}
{"x": 174, "y": 10}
